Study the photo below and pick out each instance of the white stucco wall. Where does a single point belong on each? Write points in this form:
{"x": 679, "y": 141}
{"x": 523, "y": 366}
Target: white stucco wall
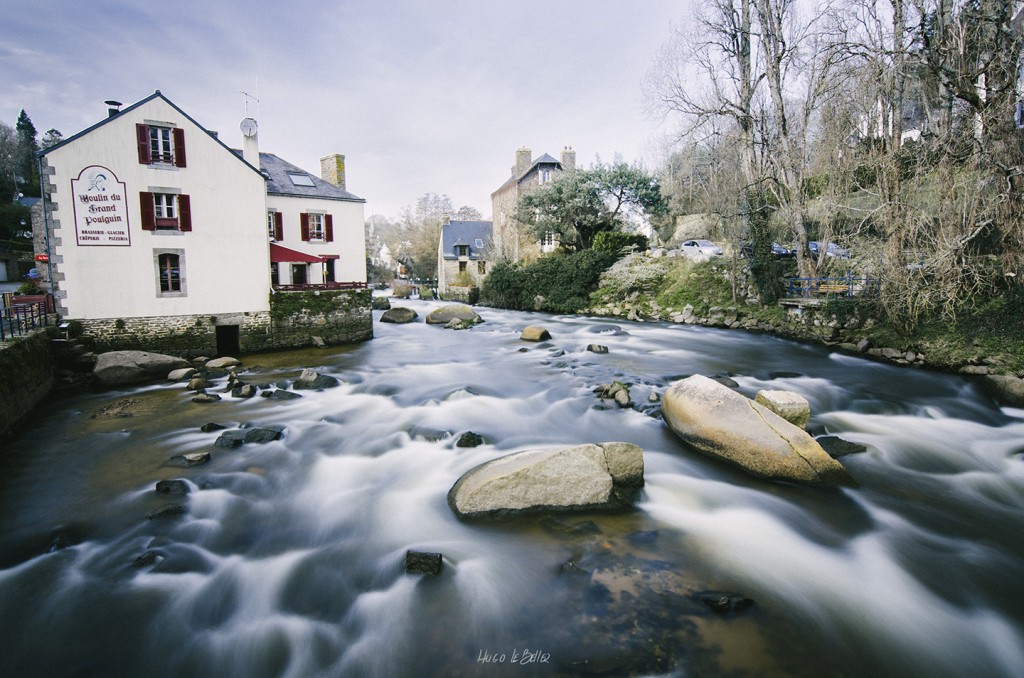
{"x": 349, "y": 239}
{"x": 226, "y": 254}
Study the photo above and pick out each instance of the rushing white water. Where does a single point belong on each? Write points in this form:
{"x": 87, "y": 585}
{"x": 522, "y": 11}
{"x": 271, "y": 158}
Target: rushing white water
{"x": 288, "y": 558}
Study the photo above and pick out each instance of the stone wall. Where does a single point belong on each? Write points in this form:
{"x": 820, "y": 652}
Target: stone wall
{"x": 294, "y": 319}
{"x": 28, "y": 373}
{"x": 333, "y": 316}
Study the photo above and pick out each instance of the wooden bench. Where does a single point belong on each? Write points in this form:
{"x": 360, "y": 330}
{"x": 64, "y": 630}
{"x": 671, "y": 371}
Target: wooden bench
{"x": 833, "y": 289}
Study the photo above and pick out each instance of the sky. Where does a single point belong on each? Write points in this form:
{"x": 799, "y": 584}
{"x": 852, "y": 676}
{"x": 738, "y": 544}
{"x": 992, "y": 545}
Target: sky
{"x": 421, "y": 96}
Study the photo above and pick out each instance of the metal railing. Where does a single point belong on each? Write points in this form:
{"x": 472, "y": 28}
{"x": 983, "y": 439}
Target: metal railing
{"x": 848, "y": 287}
{"x": 20, "y": 319}
{"x": 305, "y": 287}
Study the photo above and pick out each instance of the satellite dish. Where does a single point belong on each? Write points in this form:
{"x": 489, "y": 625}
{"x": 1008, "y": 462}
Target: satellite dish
{"x": 248, "y": 127}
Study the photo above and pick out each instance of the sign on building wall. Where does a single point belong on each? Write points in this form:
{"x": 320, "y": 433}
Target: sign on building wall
{"x": 101, "y": 208}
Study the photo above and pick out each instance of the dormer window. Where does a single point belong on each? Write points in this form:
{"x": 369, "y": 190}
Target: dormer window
{"x": 300, "y": 179}
{"x": 462, "y": 250}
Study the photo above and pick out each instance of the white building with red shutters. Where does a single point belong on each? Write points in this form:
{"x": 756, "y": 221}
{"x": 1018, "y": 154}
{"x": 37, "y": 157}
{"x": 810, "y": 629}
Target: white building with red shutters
{"x": 157, "y": 234}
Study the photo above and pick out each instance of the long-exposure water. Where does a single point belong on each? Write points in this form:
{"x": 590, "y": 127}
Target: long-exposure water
{"x": 288, "y": 557}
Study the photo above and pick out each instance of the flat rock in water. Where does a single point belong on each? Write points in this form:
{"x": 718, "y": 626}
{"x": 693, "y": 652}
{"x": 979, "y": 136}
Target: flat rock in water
{"x": 1004, "y": 389}
{"x": 222, "y": 363}
{"x": 727, "y": 425}
{"x": 280, "y": 394}
{"x": 837, "y": 447}
{"x": 585, "y": 477}
{"x": 123, "y": 368}
{"x": 444, "y": 314}
{"x": 181, "y": 374}
{"x": 417, "y": 562}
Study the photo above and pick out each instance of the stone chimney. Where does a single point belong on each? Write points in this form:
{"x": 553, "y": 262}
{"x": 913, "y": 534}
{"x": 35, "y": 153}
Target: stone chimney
{"x": 523, "y": 159}
{"x": 332, "y": 169}
{"x": 568, "y": 159}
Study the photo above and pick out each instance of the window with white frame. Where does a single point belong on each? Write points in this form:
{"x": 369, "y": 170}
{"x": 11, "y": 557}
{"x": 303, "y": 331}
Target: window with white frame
{"x": 161, "y": 144}
{"x": 545, "y": 176}
{"x": 165, "y": 209}
{"x": 316, "y": 226}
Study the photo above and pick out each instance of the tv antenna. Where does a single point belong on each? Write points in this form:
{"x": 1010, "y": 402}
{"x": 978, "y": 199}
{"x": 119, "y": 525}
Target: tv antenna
{"x": 249, "y": 97}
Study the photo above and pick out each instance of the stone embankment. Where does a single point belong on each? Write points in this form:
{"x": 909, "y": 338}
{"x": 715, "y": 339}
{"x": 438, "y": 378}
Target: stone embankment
{"x": 815, "y": 323}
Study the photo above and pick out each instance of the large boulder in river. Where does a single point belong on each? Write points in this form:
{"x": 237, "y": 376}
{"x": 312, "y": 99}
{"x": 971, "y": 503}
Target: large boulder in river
{"x": 449, "y": 312}
{"x": 123, "y": 368}
{"x": 727, "y": 425}
{"x": 398, "y": 314}
{"x": 585, "y": 477}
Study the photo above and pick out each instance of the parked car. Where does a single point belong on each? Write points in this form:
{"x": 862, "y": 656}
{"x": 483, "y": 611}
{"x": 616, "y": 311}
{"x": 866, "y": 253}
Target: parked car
{"x": 706, "y": 248}
{"x": 778, "y": 251}
{"x": 831, "y": 250}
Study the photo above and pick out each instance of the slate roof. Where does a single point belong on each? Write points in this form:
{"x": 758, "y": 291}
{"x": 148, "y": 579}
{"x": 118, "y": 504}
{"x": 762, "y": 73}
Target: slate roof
{"x": 542, "y": 160}
{"x": 279, "y": 183}
{"x": 125, "y": 111}
{"x": 465, "y": 233}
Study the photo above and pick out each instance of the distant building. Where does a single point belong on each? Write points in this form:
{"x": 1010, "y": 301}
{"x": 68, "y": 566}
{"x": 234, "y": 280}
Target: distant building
{"x": 463, "y": 257}
{"x": 155, "y": 235}
{"x": 510, "y": 240}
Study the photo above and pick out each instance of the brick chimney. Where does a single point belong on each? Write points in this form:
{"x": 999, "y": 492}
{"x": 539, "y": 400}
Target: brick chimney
{"x": 523, "y": 159}
{"x": 568, "y": 159}
{"x": 332, "y": 169}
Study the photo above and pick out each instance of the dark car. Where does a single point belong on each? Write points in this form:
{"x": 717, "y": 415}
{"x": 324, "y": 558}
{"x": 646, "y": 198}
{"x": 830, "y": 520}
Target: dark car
{"x": 831, "y": 250}
{"x": 778, "y": 251}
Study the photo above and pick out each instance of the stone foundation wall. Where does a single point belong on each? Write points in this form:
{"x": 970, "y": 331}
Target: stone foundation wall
{"x": 27, "y": 372}
{"x": 294, "y": 319}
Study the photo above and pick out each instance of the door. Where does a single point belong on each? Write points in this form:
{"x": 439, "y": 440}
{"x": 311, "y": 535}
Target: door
{"x": 228, "y": 340}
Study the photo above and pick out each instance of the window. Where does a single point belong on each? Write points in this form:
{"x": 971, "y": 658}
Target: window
{"x": 300, "y": 273}
{"x": 165, "y": 211}
{"x": 316, "y": 226}
{"x": 160, "y": 144}
{"x": 479, "y": 244}
{"x": 545, "y": 176}
{"x": 301, "y": 179}
{"x": 462, "y": 267}
{"x": 481, "y": 267}
{"x": 170, "y": 272}
{"x": 462, "y": 250}
{"x": 275, "y": 225}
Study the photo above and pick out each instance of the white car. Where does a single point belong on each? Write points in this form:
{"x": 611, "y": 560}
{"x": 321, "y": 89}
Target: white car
{"x": 693, "y": 248}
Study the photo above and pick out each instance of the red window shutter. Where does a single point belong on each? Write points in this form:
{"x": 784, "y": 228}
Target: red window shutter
{"x": 328, "y": 228}
{"x": 148, "y": 211}
{"x": 184, "y": 213}
{"x": 304, "y": 226}
{"x": 179, "y": 146}
{"x": 278, "y": 226}
{"x": 142, "y": 138}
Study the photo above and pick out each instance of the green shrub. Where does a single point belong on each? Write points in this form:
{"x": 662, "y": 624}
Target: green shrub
{"x": 615, "y": 242}
{"x": 558, "y": 283}
{"x": 629, "y": 275}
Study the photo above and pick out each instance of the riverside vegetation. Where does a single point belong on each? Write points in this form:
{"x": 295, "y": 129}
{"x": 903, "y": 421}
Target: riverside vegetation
{"x": 641, "y": 287}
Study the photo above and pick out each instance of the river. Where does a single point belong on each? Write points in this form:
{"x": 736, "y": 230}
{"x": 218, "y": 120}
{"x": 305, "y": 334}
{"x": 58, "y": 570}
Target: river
{"x": 289, "y": 557}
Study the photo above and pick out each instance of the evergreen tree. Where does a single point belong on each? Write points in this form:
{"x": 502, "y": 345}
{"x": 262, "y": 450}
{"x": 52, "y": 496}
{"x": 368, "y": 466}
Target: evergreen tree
{"x": 26, "y": 167}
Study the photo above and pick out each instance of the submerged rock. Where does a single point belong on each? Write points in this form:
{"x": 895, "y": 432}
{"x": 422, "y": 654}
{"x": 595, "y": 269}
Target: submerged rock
{"x": 417, "y": 562}
{"x": 311, "y": 380}
{"x": 585, "y": 477}
{"x": 189, "y": 459}
{"x": 726, "y": 425}
{"x": 175, "y": 487}
{"x": 166, "y": 511}
{"x": 837, "y": 447}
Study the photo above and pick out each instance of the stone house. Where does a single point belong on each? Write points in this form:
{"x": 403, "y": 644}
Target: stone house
{"x": 464, "y": 256}
{"x": 156, "y": 238}
{"x": 510, "y": 240}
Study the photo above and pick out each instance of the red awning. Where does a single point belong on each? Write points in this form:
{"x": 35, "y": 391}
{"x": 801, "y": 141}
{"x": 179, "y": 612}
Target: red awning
{"x": 280, "y": 254}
